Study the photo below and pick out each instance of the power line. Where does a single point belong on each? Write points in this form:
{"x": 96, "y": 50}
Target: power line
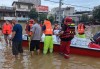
{"x": 78, "y": 6}
{"x": 52, "y": 1}
{"x": 70, "y": 4}
{"x": 60, "y": 5}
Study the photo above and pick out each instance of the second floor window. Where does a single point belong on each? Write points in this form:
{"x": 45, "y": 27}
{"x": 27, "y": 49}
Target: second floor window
{"x": 18, "y": 6}
{"x": 29, "y": 7}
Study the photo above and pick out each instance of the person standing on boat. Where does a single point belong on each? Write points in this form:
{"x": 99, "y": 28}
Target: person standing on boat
{"x": 48, "y": 40}
{"x": 35, "y": 37}
{"x": 16, "y": 39}
{"x": 81, "y": 30}
{"x": 66, "y": 35}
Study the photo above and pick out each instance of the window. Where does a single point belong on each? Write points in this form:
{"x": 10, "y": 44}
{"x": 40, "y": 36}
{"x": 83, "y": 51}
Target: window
{"x": 18, "y": 6}
{"x": 29, "y": 7}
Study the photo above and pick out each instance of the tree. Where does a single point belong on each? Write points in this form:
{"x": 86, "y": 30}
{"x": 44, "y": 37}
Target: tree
{"x": 96, "y": 13}
{"x": 33, "y": 14}
{"x": 84, "y": 18}
{"x": 51, "y": 18}
{"x": 42, "y": 17}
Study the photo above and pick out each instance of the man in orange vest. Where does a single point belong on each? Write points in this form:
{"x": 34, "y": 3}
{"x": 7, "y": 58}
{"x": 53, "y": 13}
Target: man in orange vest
{"x": 48, "y": 40}
{"x": 7, "y": 30}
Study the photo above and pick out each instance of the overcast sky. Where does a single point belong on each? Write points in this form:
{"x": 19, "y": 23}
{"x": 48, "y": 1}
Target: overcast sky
{"x": 85, "y": 3}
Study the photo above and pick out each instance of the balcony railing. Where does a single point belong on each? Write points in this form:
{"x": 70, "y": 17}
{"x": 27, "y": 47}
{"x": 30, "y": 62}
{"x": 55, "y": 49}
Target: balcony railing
{"x": 18, "y": 18}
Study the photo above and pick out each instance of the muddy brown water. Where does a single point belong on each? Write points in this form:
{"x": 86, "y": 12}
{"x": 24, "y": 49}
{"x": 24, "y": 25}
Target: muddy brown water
{"x": 49, "y": 61}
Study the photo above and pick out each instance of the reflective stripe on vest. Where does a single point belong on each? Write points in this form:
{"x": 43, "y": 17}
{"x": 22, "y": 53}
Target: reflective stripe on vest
{"x": 72, "y": 26}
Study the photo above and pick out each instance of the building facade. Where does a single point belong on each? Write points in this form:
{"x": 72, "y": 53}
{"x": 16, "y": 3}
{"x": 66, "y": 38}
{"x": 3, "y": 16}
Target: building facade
{"x": 6, "y": 11}
{"x": 35, "y": 2}
{"x": 22, "y": 9}
{"x": 65, "y": 12}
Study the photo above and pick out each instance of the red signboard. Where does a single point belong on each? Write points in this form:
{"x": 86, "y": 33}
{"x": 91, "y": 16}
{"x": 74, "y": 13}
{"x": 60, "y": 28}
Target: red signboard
{"x": 42, "y": 8}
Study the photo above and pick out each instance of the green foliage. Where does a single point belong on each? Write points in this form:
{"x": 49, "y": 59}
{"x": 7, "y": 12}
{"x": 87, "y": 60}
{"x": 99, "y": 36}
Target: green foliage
{"x": 42, "y": 17}
{"x": 91, "y": 18}
{"x": 51, "y": 18}
{"x": 33, "y": 14}
{"x": 84, "y": 18}
{"x": 96, "y": 13}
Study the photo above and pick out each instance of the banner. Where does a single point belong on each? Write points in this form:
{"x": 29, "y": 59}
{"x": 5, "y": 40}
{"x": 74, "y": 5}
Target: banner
{"x": 42, "y": 8}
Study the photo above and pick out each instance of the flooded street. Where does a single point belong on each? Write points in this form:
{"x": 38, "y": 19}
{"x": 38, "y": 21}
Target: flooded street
{"x": 49, "y": 34}
{"x": 49, "y": 61}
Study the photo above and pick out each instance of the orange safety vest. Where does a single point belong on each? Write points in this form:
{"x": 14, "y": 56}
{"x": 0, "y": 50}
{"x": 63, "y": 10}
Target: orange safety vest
{"x": 7, "y": 29}
{"x": 81, "y": 29}
{"x": 49, "y": 29}
{"x": 26, "y": 28}
{"x": 29, "y": 32}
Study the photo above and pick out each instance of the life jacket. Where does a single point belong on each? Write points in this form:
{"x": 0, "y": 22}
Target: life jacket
{"x": 48, "y": 29}
{"x": 29, "y": 26}
{"x": 26, "y": 29}
{"x": 81, "y": 29}
{"x": 29, "y": 29}
{"x": 69, "y": 31}
{"x": 7, "y": 29}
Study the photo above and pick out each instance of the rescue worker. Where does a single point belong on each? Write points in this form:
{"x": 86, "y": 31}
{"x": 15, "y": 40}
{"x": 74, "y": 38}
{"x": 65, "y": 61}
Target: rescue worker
{"x": 66, "y": 35}
{"x": 81, "y": 30}
{"x": 28, "y": 30}
{"x": 48, "y": 40}
{"x": 7, "y": 30}
{"x": 29, "y": 26}
{"x": 26, "y": 27}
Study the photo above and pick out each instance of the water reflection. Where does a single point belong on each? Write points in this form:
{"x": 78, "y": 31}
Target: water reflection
{"x": 49, "y": 61}
{"x": 92, "y": 30}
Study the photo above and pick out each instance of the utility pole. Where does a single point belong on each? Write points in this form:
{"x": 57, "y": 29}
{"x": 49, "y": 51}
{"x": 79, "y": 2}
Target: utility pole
{"x": 60, "y": 4}
{"x": 59, "y": 14}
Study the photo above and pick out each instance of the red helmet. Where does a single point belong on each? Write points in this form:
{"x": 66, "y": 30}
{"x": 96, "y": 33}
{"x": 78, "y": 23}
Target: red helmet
{"x": 31, "y": 21}
{"x": 68, "y": 20}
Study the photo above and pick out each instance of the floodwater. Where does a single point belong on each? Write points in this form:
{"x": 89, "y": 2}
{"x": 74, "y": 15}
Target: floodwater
{"x": 49, "y": 61}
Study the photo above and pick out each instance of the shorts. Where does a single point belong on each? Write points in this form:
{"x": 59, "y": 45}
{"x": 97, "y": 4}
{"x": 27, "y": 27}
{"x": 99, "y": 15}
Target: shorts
{"x": 33, "y": 44}
{"x": 17, "y": 47}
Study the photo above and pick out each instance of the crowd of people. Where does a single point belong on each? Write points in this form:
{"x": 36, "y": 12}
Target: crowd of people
{"x": 13, "y": 33}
